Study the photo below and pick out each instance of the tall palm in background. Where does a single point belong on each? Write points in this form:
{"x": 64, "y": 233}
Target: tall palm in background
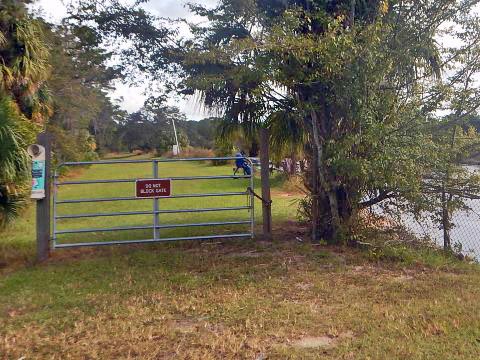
{"x": 24, "y": 100}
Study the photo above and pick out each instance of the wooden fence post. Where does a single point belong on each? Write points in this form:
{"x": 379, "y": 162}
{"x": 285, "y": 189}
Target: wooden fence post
{"x": 43, "y": 205}
{"x": 265, "y": 175}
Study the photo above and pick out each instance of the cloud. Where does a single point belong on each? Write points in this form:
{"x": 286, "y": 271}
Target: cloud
{"x": 175, "y": 8}
{"x": 132, "y": 98}
{"x": 52, "y": 10}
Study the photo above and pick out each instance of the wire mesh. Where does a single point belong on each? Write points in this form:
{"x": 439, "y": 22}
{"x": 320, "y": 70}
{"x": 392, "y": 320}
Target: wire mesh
{"x": 464, "y": 233}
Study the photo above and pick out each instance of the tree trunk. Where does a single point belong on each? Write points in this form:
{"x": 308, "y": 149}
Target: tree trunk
{"x": 315, "y": 210}
{"x": 327, "y": 185}
{"x": 254, "y": 149}
{"x": 302, "y": 166}
{"x": 353, "y": 4}
{"x": 446, "y": 224}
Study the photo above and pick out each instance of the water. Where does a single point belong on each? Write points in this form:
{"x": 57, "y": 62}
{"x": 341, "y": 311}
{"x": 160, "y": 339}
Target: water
{"x": 466, "y": 233}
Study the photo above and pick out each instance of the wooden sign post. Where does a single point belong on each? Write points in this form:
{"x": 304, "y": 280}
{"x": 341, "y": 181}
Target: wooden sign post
{"x": 265, "y": 173}
{"x": 43, "y": 204}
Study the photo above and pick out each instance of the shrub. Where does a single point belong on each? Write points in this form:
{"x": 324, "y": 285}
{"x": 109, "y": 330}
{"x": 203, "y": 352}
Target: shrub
{"x": 191, "y": 152}
{"x": 222, "y": 151}
{"x": 16, "y": 133}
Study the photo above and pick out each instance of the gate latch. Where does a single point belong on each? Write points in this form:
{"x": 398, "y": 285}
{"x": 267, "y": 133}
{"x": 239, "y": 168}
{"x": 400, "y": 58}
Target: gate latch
{"x": 268, "y": 203}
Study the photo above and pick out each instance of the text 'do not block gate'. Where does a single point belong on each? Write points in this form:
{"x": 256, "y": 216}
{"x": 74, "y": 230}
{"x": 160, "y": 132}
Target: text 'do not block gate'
{"x": 153, "y": 188}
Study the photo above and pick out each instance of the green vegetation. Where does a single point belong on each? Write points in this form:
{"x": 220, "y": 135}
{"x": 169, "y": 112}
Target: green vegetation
{"x": 18, "y": 245}
{"x": 367, "y": 93}
{"x": 377, "y": 95}
{"x": 16, "y": 133}
{"x": 151, "y": 129}
{"x": 24, "y": 101}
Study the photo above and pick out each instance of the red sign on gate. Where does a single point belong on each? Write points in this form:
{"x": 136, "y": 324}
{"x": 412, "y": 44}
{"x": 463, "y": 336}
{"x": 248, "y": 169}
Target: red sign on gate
{"x": 153, "y": 188}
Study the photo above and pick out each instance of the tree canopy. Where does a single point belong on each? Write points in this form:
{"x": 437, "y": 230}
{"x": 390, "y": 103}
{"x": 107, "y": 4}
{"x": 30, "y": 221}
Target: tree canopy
{"x": 24, "y": 99}
{"x": 379, "y": 96}
{"x": 370, "y": 90}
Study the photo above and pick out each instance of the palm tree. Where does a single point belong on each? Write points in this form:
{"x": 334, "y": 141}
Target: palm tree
{"x": 288, "y": 136}
{"x": 24, "y": 57}
{"x": 15, "y": 134}
{"x": 24, "y": 100}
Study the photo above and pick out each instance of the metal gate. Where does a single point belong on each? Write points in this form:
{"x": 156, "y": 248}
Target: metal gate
{"x": 66, "y": 209}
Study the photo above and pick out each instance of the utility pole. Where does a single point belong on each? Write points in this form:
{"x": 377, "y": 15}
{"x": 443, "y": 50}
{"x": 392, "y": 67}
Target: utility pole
{"x": 176, "y": 138}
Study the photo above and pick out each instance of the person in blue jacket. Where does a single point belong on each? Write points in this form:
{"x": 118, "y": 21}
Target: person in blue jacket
{"x": 242, "y": 163}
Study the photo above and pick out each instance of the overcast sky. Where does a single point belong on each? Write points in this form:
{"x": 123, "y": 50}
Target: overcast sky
{"x": 133, "y": 97}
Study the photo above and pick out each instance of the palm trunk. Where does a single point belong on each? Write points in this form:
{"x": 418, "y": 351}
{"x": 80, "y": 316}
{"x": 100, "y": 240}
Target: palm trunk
{"x": 326, "y": 185}
{"x": 315, "y": 211}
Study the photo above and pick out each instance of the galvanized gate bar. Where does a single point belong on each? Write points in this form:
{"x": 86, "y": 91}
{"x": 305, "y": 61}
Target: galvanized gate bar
{"x": 128, "y": 213}
{"x": 126, "y": 242}
{"x": 155, "y": 212}
{"x": 182, "y": 196}
{"x": 110, "y": 162}
{"x": 168, "y": 226}
{"x": 85, "y": 182}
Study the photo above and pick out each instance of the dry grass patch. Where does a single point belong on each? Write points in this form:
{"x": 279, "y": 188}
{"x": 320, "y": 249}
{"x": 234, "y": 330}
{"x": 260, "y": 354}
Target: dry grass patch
{"x": 194, "y": 301}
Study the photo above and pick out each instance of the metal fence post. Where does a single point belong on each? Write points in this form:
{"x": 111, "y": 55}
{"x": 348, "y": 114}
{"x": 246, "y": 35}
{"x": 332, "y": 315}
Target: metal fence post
{"x": 156, "y": 207}
{"x": 43, "y": 205}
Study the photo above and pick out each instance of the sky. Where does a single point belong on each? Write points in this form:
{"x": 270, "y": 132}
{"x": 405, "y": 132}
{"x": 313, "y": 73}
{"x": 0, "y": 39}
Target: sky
{"x": 132, "y": 98}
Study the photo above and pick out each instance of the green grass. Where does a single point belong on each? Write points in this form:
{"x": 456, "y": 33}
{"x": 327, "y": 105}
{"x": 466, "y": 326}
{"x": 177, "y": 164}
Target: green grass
{"x": 237, "y": 300}
{"x": 18, "y": 241}
{"x": 241, "y": 299}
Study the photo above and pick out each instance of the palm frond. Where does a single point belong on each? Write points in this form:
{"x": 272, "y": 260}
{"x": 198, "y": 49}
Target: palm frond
{"x": 3, "y": 39}
{"x": 287, "y": 134}
{"x": 13, "y": 155}
{"x": 11, "y": 205}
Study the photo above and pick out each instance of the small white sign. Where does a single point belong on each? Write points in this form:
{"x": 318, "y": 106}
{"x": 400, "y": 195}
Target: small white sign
{"x": 176, "y": 150}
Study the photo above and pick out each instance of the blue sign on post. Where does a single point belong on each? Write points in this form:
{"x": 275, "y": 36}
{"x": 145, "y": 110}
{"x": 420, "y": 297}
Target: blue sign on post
{"x": 38, "y": 179}
{"x": 37, "y": 152}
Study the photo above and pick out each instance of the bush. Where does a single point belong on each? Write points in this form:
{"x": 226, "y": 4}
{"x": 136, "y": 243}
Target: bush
{"x": 222, "y": 151}
{"x": 69, "y": 147}
{"x": 191, "y": 152}
{"x": 16, "y": 133}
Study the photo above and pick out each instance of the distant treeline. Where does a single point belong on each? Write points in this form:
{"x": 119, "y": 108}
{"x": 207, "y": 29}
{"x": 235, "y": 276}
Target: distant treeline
{"x": 152, "y": 130}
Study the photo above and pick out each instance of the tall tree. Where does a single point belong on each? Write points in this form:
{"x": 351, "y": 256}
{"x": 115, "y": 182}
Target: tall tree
{"x": 24, "y": 68}
{"x": 79, "y": 84}
{"x": 368, "y": 80}
{"x": 152, "y": 129}
{"x": 24, "y": 99}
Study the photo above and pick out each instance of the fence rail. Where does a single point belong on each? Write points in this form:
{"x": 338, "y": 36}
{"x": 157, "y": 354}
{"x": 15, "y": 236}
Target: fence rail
{"x": 156, "y": 224}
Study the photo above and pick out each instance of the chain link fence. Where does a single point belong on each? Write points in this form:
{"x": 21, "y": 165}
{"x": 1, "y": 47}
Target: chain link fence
{"x": 465, "y": 233}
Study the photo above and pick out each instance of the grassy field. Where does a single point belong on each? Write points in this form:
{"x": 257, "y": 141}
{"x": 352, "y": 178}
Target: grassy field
{"x": 18, "y": 245}
{"x": 280, "y": 299}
